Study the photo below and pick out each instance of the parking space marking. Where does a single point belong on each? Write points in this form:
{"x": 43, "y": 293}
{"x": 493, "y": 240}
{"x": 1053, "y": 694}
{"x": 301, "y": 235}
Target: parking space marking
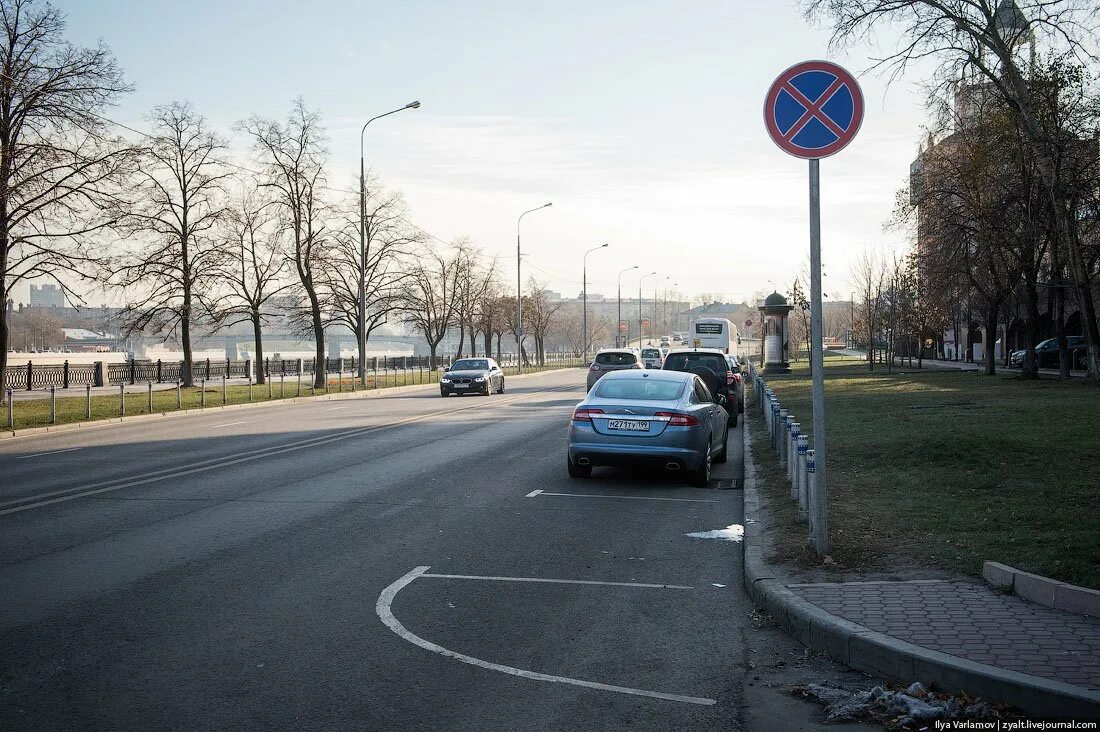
{"x": 534, "y": 494}
{"x": 385, "y": 614}
{"x": 556, "y": 581}
{"x": 40, "y": 454}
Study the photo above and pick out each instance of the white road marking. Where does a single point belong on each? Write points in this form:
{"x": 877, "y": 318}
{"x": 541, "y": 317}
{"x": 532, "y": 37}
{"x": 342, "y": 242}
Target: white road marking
{"x": 230, "y": 424}
{"x": 333, "y": 409}
{"x": 556, "y": 581}
{"x": 632, "y": 498}
{"x": 385, "y": 614}
{"x": 733, "y": 532}
{"x": 40, "y": 454}
{"x": 202, "y": 466}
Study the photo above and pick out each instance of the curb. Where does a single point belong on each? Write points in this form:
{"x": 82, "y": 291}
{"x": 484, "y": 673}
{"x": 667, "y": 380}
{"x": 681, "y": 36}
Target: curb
{"x": 1043, "y": 590}
{"x": 7, "y": 434}
{"x": 885, "y": 656}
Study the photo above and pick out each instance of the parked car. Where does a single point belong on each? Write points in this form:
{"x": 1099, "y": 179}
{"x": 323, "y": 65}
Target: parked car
{"x": 472, "y": 376}
{"x": 1047, "y": 353}
{"x": 665, "y": 419}
{"x": 651, "y": 358}
{"x": 613, "y": 359}
{"x": 738, "y": 382}
{"x": 711, "y": 366}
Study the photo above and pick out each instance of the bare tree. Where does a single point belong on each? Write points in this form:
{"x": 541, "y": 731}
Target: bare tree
{"x": 61, "y": 172}
{"x": 254, "y": 267}
{"x": 541, "y": 312}
{"x": 495, "y": 312}
{"x": 431, "y": 296}
{"x": 979, "y": 41}
{"x": 479, "y": 276}
{"x": 168, "y": 272}
{"x": 869, "y": 280}
{"x": 294, "y": 155}
{"x": 388, "y": 242}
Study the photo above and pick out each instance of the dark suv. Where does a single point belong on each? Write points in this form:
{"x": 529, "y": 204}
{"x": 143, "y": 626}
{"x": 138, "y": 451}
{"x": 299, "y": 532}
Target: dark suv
{"x": 711, "y": 366}
{"x": 1047, "y": 353}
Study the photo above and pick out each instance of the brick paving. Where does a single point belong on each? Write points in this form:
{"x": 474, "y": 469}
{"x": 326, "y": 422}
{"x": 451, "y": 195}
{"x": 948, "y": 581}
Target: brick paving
{"x": 970, "y": 621}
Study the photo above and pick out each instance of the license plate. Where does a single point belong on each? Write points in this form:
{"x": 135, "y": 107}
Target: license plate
{"x": 628, "y": 425}
{"x": 462, "y": 386}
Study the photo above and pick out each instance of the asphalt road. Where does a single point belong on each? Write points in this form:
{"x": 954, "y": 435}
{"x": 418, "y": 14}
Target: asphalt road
{"x": 384, "y": 563}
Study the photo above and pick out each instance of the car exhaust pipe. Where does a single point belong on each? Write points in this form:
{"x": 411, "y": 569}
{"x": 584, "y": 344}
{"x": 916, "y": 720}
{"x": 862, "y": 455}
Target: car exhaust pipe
{"x": 583, "y": 462}
{"x": 671, "y": 465}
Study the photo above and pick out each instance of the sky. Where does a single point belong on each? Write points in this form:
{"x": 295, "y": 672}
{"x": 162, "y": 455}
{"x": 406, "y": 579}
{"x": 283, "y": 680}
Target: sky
{"x": 640, "y": 120}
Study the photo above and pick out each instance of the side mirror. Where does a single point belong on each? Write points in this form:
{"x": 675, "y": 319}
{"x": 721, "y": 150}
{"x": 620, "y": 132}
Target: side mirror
{"x": 721, "y": 399}
{"x": 446, "y": 369}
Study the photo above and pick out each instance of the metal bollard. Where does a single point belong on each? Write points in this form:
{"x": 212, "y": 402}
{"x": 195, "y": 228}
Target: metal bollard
{"x": 282, "y": 385}
{"x": 149, "y": 397}
{"x": 787, "y": 451}
{"x": 122, "y": 400}
{"x": 811, "y": 492}
{"x": 268, "y": 386}
{"x": 803, "y": 446}
{"x": 87, "y": 401}
{"x": 250, "y": 387}
{"x": 179, "y": 394}
{"x": 53, "y": 404}
{"x": 202, "y": 394}
{"x": 11, "y": 410}
{"x": 780, "y": 436}
{"x": 792, "y": 458}
{"x": 223, "y": 391}
{"x": 299, "y": 382}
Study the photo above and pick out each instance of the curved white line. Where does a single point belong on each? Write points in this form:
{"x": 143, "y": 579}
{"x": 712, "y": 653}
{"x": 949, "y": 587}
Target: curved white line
{"x": 382, "y": 607}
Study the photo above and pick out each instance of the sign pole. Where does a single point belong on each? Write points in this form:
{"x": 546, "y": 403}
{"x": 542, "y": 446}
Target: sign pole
{"x": 819, "y": 501}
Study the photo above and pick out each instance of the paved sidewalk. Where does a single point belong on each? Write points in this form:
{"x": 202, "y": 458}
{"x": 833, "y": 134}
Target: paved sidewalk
{"x": 971, "y": 621}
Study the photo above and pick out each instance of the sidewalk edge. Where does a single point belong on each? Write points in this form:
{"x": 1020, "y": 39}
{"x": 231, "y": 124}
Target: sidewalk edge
{"x": 885, "y": 656}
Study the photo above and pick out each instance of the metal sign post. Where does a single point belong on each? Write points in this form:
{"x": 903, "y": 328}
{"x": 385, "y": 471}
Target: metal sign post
{"x": 813, "y": 110}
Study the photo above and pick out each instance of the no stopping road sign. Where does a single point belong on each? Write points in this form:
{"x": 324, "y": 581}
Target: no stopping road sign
{"x": 813, "y": 109}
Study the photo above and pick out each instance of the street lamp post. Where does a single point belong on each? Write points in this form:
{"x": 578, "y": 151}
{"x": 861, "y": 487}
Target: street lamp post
{"x": 584, "y": 290}
{"x": 653, "y": 323}
{"x": 618, "y": 331}
{"x": 519, "y": 287}
{"x": 640, "y": 280}
{"x": 361, "y": 336}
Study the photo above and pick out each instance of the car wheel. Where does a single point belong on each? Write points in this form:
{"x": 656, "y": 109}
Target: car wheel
{"x": 501, "y": 389}
{"x": 701, "y": 477}
{"x": 442, "y": 393}
{"x": 578, "y": 471}
{"x": 724, "y": 453}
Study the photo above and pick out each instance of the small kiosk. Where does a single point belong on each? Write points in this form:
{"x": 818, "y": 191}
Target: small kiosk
{"x": 775, "y": 342}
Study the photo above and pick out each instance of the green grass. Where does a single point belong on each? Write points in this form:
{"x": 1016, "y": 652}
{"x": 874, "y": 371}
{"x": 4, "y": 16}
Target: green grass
{"x": 946, "y": 469}
{"x": 71, "y": 405}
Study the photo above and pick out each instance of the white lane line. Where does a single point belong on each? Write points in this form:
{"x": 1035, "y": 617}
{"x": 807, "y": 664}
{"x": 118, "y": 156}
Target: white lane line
{"x": 202, "y": 466}
{"x": 385, "y": 614}
{"x": 40, "y": 454}
{"x": 556, "y": 581}
{"x": 533, "y": 494}
{"x": 229, "y": 424}
{"x": 333, "y": 409}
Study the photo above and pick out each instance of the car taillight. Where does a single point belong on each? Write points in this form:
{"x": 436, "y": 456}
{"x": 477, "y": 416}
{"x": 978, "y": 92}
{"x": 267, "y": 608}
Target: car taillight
{"x": 675, "y": 419}
{"x": 584, "y": 414}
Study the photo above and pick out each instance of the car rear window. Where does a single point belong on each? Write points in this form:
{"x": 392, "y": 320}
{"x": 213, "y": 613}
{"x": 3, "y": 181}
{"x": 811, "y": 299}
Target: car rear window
{"x": 682, "y": 361}
{"x": 650, "y": 353}
{"x": 640, "y": 389}
{"x": 616, "y": 359}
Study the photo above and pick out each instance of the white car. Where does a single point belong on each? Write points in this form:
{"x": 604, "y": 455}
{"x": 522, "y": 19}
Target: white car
{"x": 652, "y": 358}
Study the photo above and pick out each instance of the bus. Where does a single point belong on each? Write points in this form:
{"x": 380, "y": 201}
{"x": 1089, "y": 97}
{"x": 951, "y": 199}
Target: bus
{"x": 717, "y": 333}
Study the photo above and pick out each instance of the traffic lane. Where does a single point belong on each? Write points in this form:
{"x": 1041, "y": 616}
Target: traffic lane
{"x": 59, "y": 553}
{"x": 58, "y": 461}
{"x": 280, "y": 625}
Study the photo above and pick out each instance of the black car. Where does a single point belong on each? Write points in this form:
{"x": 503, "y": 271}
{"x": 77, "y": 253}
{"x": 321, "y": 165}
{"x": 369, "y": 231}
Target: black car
{"x": 1047, "y": 353}
{"x": 711, "y": 366}
{"x": 472, "y": 376}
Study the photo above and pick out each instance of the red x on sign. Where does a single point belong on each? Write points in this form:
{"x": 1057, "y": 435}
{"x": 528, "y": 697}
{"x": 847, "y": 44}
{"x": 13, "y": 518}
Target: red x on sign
{"x": 813, "y": 109}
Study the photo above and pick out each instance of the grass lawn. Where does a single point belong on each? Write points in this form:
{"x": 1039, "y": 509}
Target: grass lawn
{"x": 947, "y": 468}
{"x": 72, "y": 408}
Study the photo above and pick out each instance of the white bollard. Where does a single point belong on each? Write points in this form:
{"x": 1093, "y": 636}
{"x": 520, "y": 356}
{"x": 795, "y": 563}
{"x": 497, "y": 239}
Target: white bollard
{"x": 781, "y": 435}
{"x": 53, "y": 404}
{"x": 803, "y": 446}
{"x": 811, "y": 493}
{"x": 792, "y": 458}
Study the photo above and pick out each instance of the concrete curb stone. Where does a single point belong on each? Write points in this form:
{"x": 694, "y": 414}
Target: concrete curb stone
{"x": 1043, "y": 590}
{"x": 7, "y": 434}
{"x": 877, "y": 653}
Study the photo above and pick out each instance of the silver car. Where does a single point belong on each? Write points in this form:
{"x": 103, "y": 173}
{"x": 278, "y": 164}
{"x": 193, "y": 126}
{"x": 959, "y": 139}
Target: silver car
{"x": 612, "y": 359}
{"x": 667, "y": 419}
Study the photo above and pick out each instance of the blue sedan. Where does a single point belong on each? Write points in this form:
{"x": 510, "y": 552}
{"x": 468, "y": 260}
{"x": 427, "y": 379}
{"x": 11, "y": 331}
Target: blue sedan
{"x": 667, "y": 419}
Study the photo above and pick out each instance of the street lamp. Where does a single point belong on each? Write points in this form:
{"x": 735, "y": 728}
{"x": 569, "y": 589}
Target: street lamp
{"x": 664, "y": 307}
{"x": 618, "y": 332}
{"x": 361, "y": 336}
{"x": 653, "y": 323}
{"x": 519, "y": 289}
{"x": 640, "y": 279}
{"x": 584, "y": 286}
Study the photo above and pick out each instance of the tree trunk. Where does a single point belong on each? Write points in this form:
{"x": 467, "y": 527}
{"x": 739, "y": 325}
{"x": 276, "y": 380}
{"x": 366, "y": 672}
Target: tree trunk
{"x": 990, "y": 331}
{"x": 5, "y": 333}
{"x": 431, "y": 356}
{"x": 1060, "y": 325}
{"x": 320, "y": 373}
{"x": 258, "y": 354}
{"x": 461, "y": 339}
{"x": 1030, "y": 369}
{"x": 489, "y": 344}
{"x": 188, "y": 376}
